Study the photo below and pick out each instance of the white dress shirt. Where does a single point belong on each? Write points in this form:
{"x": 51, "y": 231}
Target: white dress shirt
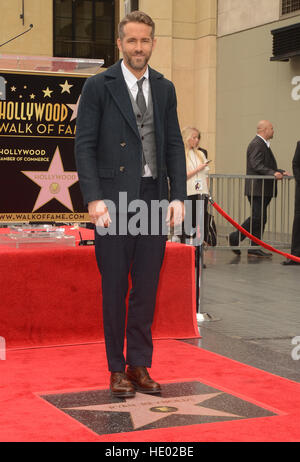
{"x": 266, "y": 141}
{"x": 131, "y": 82}
{"x": 197, "y": 184}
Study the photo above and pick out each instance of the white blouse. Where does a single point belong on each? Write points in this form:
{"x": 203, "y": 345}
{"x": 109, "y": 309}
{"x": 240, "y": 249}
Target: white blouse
{"x": 197, "y": 184}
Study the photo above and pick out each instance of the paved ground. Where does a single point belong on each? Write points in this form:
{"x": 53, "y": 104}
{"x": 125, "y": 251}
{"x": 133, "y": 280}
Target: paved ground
{"x": 254, "y": 305}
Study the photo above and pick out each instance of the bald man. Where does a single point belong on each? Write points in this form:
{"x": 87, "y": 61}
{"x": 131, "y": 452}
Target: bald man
{"x": 260, "y": 161}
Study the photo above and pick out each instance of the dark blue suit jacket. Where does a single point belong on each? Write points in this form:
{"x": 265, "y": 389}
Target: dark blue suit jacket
{"x": 296, "y": 172}
{"x": 108, "y": 147}
{"x": 260, "y": 161}
{"x": 296, "y": 164}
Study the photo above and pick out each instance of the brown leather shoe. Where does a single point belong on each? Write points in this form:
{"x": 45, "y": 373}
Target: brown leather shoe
{"x": 141, "y": 379}
{"x": 120, "y": 386}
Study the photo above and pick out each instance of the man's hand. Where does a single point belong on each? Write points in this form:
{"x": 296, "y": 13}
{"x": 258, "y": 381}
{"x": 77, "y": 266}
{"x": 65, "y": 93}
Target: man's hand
{"x": 99, "y": 213}
{"x": 278, "y": 175}
{"x": 175, "y": 213}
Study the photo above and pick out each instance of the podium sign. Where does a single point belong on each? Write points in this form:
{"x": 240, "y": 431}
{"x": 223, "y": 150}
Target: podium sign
{"x": 38, "y": 110}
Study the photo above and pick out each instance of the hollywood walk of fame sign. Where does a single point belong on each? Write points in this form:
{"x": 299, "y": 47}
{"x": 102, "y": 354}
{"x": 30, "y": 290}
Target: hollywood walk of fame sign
{"x": 179, "y": 404}
{"x": 38, "y": 178}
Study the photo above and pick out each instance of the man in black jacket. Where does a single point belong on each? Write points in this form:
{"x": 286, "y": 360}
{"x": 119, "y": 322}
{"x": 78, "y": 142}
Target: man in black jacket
{"x": 260, "y": 161}
{"x": 128, "y": 144}
{"x": 295, "y": 248}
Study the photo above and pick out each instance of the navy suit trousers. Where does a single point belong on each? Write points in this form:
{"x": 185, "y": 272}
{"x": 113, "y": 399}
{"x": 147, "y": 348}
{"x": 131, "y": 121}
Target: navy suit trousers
{"x": 255, "y": 224}
{"x": 295, "y": 250}
{"x": 141, "y": 257}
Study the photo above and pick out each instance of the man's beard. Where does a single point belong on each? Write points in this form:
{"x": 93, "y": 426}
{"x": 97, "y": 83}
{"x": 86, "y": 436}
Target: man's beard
{"x": 136, "y": 65}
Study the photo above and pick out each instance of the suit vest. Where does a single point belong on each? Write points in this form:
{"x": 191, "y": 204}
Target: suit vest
{"x": 146, "y": 130}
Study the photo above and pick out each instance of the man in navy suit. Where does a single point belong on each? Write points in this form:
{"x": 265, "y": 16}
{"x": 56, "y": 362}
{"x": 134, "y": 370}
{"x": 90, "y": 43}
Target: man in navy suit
{"x": 295, "y": 247}
{"x": 260, "y": 161}
{"x": 128, "y": 148}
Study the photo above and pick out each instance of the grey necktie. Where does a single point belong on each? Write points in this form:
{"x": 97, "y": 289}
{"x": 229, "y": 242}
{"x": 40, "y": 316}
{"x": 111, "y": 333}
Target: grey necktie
{"x": 141, "y": 102}
{"x": 140, "y": 99}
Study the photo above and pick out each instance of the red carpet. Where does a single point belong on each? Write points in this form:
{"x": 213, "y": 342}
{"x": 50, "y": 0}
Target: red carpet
{"x": 27, "y": 374}
{"x": 53, "y": 296}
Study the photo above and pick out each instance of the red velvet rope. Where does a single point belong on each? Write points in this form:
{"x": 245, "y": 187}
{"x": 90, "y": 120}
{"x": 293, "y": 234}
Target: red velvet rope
{"x": 253, "y": 238}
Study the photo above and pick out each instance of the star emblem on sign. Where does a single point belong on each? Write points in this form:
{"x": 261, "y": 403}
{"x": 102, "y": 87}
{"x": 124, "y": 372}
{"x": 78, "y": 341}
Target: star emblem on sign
{"x": 145, "y": 410}
{"x": 65, "y": 87}
{"x": 54, "y": 183}
{"x": 47, "y": 92}
{"x": 74, "y": 108}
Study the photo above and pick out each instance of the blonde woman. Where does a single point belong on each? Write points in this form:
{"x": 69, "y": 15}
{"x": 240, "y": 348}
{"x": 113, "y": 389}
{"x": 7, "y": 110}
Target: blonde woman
{"x": 197, "y": 175}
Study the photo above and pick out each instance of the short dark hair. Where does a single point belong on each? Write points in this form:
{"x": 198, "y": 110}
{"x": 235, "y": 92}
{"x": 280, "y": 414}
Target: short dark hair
{"x": 136, "y": 16}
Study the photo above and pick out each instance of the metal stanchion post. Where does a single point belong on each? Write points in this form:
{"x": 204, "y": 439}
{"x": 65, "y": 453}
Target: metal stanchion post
{"x": 199, "y": 262}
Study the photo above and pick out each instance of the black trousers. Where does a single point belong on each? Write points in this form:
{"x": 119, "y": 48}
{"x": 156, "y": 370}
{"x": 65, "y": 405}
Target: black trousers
{"x": 295, "y": 248}
{"x": 194, "y": 222}
{"x": 255, "y": 224}
{"x": 141, "y": 256}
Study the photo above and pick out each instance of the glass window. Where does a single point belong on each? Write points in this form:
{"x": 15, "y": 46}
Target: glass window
{"x": 289, "y": 6}
{"x": 86, "y": 29}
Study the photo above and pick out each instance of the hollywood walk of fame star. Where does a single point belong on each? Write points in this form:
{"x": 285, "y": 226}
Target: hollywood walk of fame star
{"x": 47, "y": 92}
{"x": 145, "y": 410}
{"x": 54, "y": 183}
{"x": 65, "y": 87}
{"x": 74, "y": 108}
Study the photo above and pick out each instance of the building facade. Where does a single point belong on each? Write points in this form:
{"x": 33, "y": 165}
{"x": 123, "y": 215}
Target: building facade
{"x": 217, "y": 53}
{"x": 185, "y": 52}
{"x": 251, "y": 86}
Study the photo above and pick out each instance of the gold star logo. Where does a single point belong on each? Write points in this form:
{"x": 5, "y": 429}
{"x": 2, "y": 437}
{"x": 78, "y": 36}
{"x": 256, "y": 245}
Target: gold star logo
{"x": 163, "y": 409}
{"x": 47, "y": 92}
{"x": 65, "y": 87}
